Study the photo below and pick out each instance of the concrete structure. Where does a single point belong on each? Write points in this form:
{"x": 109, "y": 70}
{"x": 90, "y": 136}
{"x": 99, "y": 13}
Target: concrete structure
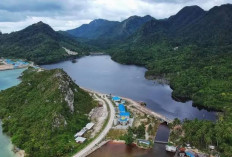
{"x": 80, "y": 139}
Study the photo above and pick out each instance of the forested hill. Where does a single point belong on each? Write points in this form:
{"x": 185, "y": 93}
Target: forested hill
{"x": 108, "y": 32}
{"x": 191, "y": 25}
{"x": 43, "y": 113}
{"x": 39, "y": 43}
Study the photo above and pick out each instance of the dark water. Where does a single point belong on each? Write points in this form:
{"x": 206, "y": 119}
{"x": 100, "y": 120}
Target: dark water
{"x": 162, "y": 133}
{"x": 112, "y": 149}
{"x": 102, "y": 74}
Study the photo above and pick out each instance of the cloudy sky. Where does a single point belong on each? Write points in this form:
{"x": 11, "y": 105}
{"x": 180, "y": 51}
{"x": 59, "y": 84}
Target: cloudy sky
{"x": 67, "y": 14}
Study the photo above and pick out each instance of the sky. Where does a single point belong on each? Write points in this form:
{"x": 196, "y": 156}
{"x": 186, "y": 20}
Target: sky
{"x": 68, "y": 14}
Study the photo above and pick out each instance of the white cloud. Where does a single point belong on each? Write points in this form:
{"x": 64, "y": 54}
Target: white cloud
{"x": 68, "y": 14}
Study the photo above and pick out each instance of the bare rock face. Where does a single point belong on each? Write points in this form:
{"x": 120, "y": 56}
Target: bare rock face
{"x": 64, "y": 86}
{"x": 69, "y": 98}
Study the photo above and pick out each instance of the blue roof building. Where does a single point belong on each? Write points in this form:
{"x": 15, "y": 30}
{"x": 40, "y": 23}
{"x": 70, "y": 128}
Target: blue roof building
{"x": 125, "y": 114}
{"x": 121, "y": 108}
{"x": 115, "y": 98}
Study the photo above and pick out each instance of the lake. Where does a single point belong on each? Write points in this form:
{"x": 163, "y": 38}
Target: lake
{"x": 7, "y": 79}
{"x": 102, "y": 74}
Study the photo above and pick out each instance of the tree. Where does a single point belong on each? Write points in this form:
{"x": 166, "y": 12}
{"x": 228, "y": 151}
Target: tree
{"x": 140, "y": 131}
{"x": 149, "y": 129}
{"x": 129, "y": 137}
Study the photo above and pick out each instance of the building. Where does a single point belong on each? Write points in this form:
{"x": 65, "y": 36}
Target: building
{"x": 80, "y": 139}
{"x": 121, "y": 108}
{"x": 80, "y": 133}
{"x": 116, "y": 99}
{"x": 89, "y": 126}
{"x": 123, "y": 115}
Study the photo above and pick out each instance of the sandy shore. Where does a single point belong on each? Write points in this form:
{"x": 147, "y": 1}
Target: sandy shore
{"x": 146, "y": 110}
{"x": 6, "y": 67}
{"x": 20, "y": 153}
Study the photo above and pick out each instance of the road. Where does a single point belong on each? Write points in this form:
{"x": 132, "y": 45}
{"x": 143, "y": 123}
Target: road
{"x": 84, "y": 152}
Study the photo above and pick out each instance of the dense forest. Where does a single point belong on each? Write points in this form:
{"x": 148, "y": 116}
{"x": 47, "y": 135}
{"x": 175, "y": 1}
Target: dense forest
{"x": 39, "y": 43}
{"x": 43, "y": 113}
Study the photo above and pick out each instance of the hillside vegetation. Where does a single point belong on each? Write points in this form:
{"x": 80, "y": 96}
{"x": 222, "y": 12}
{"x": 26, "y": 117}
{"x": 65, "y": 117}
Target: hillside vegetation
{"x": 43, "y": 113}
{"x": 105, "y": 34}
{"x": 39, "y": 43}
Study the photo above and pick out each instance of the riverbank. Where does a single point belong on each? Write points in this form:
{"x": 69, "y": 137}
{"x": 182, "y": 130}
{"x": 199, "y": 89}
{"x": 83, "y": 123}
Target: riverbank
{"x": 138, "y": 106}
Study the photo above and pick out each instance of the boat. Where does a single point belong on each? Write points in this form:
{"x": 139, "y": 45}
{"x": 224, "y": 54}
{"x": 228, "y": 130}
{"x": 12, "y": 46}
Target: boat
{"x": 74, "y": 60}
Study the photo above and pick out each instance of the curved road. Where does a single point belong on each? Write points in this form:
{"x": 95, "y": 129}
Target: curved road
{"x": 101, "y": 136}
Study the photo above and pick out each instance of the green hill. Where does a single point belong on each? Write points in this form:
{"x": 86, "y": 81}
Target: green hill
{"x": 94, "y": 29}
{"x": 43, "y": 113}
{"x": 39, "y": 43}
{"x": 104, "y": 34}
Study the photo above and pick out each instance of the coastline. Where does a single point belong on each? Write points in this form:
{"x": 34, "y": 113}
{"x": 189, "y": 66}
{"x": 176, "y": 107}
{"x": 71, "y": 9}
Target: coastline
{"x": 137, "y": 106}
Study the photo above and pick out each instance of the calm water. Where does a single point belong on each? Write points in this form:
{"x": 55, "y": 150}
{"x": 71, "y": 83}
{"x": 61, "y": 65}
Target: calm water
{"x": 112, "y": 149}
{"x": 7, "y": 79}
{"x": 102, "y": 74}
{"x": 162, "y": 133}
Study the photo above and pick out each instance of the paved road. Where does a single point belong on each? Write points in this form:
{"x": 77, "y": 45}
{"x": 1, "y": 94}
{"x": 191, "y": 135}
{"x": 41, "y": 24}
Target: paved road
{"x": 100, "y": 137}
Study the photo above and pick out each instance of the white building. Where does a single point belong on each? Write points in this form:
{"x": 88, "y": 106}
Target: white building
{"x": 80, "y": 133}
{"x": 80, "y": 139}
{"x": 89, "y": 126}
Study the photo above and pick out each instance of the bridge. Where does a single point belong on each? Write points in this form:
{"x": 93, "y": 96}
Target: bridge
{"x": 161, "y": 142}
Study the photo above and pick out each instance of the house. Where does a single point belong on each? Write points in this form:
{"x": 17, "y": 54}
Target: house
{"x": 89, "y": 126}
{"x": 80, "y": 139}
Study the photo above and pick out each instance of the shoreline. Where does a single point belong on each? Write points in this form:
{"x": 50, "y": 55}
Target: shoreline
{"x": 1, "y": 69}
{"x": 137, "y": 106}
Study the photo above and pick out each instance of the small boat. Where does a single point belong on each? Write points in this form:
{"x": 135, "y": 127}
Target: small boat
{"x": 74, "y": 60}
